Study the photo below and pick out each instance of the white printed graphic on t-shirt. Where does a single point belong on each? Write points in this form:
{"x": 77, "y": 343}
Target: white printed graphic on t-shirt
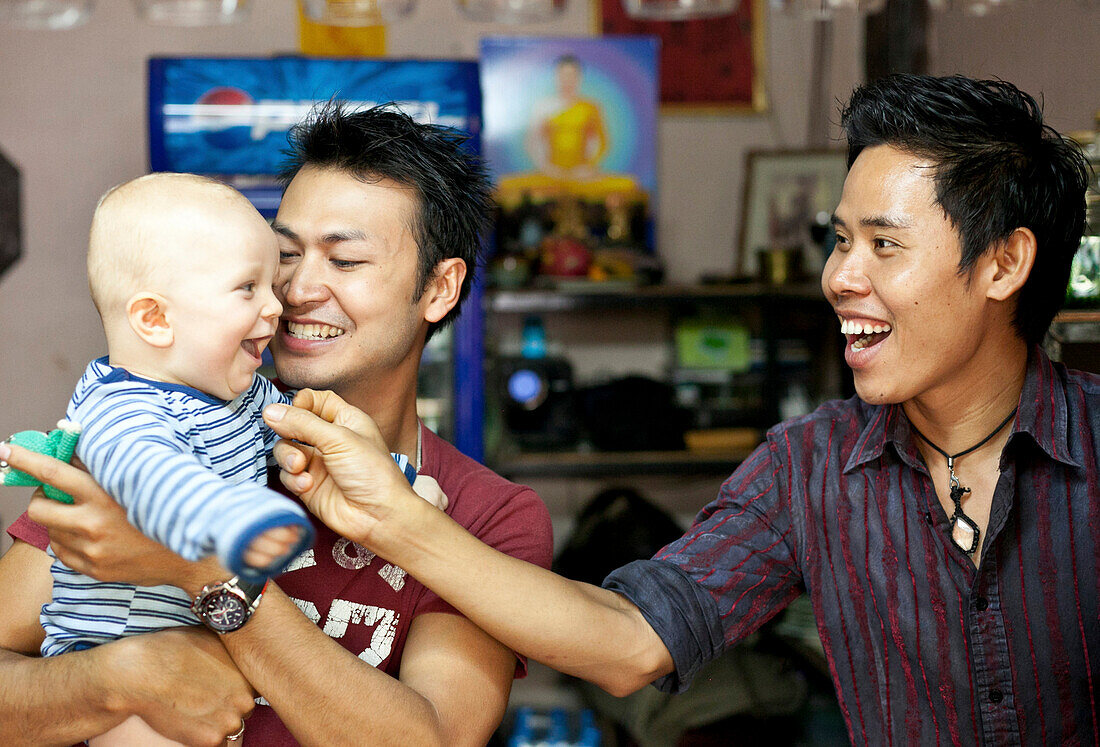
{"x": 361, "y": 558}
{"x": 343, "y": 613}
{"x": 354, "y": 557}
{"x": 309, "y": 609}
{"x": 393, "y": 576}
{"x": 305, "y": 560}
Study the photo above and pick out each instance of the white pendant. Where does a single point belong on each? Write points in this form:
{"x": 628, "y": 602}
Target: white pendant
{"x": 964, "y": 533}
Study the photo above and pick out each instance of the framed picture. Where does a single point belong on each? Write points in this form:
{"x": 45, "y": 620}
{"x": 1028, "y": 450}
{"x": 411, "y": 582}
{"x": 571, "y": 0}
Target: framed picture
{"x": 709, "y": 64}
{"x": 789, "y": 197}
{"x": 570, "y": 135}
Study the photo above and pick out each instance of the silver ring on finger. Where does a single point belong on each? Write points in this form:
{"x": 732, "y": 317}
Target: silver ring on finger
{"x": 236, "y": 736}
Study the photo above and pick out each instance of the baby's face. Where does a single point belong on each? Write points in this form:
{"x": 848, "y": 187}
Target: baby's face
{"x": 225, "y": 312}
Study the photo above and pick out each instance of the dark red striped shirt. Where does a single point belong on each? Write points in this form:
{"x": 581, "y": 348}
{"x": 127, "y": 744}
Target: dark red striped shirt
{"x": 923, "y": 647}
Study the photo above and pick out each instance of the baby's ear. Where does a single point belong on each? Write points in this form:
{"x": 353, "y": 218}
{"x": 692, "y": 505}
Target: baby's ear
{"x": 148, "y": 317}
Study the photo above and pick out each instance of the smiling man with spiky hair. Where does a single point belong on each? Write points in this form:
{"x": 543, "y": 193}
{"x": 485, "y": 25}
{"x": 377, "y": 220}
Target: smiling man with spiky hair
{"x": 379, "y": 232}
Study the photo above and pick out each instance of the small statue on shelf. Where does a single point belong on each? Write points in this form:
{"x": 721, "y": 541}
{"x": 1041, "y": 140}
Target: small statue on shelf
{"x": 620, "y": 229}
{"x": 622, "y": 255}
{"x": 566, "y": 251}
{"x": 520, "y": 228}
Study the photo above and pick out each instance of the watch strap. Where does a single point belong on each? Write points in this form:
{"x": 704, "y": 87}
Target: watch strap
{"x": 252, "y": 590}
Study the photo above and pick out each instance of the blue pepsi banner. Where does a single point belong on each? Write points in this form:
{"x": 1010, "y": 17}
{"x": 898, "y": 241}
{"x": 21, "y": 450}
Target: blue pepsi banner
{"x": 229, "y": 116}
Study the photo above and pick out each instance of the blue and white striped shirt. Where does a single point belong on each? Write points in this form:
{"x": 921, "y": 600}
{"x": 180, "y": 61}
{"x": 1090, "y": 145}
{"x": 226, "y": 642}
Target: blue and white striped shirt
{"x": 191, "y": 472}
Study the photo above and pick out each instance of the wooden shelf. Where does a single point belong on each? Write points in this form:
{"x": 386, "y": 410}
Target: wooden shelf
{"x": 794, "y": 311}
{"x": 618, "y": 463}
{"x": 595, "y": 295}
{"x": 1077, "y": 316}
{"x": 580, "y": 296}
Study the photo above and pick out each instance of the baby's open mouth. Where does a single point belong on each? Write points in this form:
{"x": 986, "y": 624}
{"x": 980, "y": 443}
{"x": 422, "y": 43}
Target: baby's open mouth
{"x": 312, "y": 331}
{"x": 864, "y": 334}
{"x": 255, "y": 347}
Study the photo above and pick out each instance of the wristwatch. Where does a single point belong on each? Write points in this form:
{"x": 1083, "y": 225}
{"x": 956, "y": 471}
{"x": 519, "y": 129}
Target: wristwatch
{"x": 227, "y": 606}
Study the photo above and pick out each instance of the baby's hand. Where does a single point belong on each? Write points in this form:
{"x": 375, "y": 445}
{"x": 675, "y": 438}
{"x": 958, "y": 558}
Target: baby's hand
{"x": 271, "y": 546}
{"x": 428, "y": 489}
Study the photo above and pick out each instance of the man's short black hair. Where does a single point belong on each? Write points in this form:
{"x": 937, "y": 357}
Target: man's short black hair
{"x": 384, "y": 142}
{"x": 998, "y": 167}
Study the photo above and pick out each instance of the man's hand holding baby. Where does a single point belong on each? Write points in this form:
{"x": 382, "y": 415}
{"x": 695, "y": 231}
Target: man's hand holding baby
{"x": 92, "y": 535}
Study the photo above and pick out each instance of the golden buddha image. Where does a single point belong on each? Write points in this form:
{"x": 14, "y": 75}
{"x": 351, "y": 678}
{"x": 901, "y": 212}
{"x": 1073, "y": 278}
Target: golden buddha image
{"x": 566, "y": 140}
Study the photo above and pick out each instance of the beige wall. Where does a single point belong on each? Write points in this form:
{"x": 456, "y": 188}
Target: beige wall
{"x": 1049, "y": 48}
{"x": 72, "y": 117}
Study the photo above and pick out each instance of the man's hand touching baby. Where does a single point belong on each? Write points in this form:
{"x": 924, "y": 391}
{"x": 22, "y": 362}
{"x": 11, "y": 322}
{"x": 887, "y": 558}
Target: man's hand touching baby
{"x": 335, "y": 459}
{"x": 275, "y": 543}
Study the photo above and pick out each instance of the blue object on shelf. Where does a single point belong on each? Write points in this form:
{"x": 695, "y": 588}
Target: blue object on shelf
{"x": 525, "y": 386}
{"x": 534, "y": 338}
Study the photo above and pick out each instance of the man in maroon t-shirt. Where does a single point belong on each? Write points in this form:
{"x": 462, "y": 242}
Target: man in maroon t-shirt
{"x": 379, "y": 231}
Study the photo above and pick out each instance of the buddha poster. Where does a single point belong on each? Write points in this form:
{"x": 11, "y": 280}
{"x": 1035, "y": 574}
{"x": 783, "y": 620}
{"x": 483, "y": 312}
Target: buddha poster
{"x": 569, "y": 125}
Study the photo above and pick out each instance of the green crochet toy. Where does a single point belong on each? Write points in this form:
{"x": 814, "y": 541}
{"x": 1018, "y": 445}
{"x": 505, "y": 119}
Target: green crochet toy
{"x": 59, "y": 443}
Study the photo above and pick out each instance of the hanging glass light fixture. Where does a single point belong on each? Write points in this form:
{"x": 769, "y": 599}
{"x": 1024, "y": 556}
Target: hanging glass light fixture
{"x": 511, "y": 11}
{"x": 356, "y": 12}
{"x": 678, "y": 10}
{"x": 192, "y": 12}
{"x": 823, "y": 9}
{"x": 861, "y": 6}
{"x": 45, "y": 14}
{"x": 970, "y": 7}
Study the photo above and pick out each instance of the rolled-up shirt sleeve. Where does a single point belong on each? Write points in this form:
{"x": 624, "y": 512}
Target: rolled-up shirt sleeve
{"x": 733, "y": 570}
{"x": 681, "y": 612}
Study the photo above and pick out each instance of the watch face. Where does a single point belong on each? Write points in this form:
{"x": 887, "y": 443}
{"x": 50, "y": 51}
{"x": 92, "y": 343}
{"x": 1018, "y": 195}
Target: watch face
{"x": 223, "y": 611}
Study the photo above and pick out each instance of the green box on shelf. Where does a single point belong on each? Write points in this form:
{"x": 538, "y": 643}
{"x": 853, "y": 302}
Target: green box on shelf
{"x": 713, "y": 344}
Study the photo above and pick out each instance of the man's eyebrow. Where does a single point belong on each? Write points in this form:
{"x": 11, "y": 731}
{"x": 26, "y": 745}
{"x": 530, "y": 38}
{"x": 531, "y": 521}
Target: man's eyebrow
{"x": 351, "y": 234}
{"x": 873, "y": 221}
{"x": 884, "y": 221}
{"x": 333, "y": 237}
{"x": 283, "y": 230}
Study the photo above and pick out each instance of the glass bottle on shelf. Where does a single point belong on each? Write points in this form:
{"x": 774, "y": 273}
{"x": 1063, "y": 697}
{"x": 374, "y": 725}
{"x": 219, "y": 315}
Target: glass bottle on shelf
{"x": 1084, "y": 282}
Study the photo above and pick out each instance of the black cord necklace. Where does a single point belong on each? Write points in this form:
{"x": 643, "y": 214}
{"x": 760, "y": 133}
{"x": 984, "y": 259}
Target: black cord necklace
{"x": 964, "y": 532}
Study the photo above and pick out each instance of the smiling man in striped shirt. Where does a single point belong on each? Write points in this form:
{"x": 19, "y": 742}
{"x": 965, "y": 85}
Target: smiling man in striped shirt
{"x": 943, "y": 522}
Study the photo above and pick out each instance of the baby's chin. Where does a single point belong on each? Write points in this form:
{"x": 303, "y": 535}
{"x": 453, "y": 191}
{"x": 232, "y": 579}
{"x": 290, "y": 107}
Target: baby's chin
{"x": 235, "y": 389}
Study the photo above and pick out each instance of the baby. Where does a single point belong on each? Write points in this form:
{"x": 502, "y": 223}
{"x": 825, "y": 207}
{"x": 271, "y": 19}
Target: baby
{"x": 181, "y": 270}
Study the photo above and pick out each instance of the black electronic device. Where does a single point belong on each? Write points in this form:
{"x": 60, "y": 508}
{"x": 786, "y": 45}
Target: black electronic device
{"x": 633, "y": 413}
{"x": 538, "y": 401}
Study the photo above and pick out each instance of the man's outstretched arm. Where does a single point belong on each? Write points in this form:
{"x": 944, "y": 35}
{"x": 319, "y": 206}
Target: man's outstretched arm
{"x": 573, "y": 627}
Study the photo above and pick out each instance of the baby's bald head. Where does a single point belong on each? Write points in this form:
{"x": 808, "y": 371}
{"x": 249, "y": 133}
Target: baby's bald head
{"x": 142, "y": 231}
